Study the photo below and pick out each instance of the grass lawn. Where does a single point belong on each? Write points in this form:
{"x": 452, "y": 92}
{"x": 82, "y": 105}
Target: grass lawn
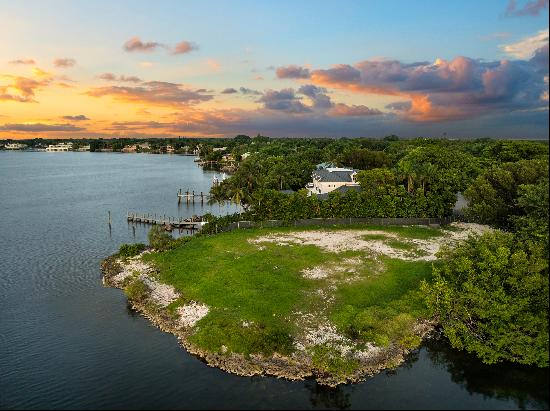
{"x": 257, "y": 292}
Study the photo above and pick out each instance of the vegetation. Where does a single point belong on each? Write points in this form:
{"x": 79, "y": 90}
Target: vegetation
{"x": 131, "y": 250}
{"x": 491, "y": 295}
{"x": 158, "y": 238}
{"x": 258, "y": 296}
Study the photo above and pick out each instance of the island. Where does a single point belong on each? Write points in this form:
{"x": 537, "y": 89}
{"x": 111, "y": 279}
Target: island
{"x": 336, "y": 304}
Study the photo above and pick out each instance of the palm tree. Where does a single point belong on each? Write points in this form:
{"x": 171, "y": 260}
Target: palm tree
{"x": 237, "y": 198}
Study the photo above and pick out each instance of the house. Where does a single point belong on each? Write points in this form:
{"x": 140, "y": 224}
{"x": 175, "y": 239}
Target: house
{"x": 130, "y": 149}
{"x": 219, "y": 149}
{"x": 59, "y": 147}
{"x": 170, "y": 149}
{"x": 83, "y": 148}
{"x": 244, "y": 156}
{"x": 325, "y": 180}
{"x": 15, "y": 146}
{"x": 228, "y": 158}
{"x": 343, "y": 190}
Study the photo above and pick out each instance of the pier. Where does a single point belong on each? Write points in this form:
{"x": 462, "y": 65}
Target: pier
{"x": 173, "y": 222}
{"x": 190, "y": 196}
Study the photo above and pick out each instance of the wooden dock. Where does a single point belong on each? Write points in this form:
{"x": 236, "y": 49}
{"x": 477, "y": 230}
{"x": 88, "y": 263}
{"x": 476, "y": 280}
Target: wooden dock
{"x": 171, "y": 222}
{"x": 190, "y": 196}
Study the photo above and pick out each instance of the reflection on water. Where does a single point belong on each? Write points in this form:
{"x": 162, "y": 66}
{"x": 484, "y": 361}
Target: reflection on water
{"x": 67, "y": 342}
{"x": 502, "y": 381}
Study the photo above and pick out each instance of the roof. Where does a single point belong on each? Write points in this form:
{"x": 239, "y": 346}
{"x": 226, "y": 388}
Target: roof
{"x": 326, "y": 175}
{"x": 343, "y": 190}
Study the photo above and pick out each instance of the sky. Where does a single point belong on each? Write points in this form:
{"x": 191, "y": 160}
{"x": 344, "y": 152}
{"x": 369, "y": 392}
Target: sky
{"x": 365, "y": 68}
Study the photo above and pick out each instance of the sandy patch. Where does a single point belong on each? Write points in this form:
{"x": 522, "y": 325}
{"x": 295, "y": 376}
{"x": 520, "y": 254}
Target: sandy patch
{"x": 353, "y": 240}
{"x": 132, "y": 266}
{"x": 162, "y": 294}
{"x": 192, "y": 313}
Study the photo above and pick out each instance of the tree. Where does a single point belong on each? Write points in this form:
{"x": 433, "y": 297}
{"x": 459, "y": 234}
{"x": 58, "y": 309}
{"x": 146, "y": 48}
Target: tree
{"x": 493, "y": 196}
{"x": 491, "y": 296}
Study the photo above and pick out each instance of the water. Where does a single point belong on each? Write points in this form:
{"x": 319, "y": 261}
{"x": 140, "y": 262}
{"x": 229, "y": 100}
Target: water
{"x": 68, "y": 342}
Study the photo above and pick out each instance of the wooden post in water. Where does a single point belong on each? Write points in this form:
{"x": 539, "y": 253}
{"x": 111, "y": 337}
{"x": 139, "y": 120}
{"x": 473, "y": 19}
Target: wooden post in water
{"x": 193, "y": 196}
{"x": 179, "y": 196}
{"x": 109, "y": 218}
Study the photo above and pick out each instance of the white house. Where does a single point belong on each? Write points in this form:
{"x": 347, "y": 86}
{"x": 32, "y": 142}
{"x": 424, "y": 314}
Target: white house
{"x": 59, "y": 147}
{"x": 15, "y": 146}
{"x": 329, "y": 179}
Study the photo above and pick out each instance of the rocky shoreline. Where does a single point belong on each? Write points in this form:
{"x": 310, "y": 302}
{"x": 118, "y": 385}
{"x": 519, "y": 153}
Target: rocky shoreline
{"x": 152, "y": 303}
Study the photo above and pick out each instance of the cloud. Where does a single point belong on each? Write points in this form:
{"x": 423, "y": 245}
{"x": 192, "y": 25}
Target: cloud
{"x": 283, "y": 100}
{"x": 80, "y": 117}
{"x": 526, "y": 47}
{"x": 229, "y": 90}
{"x": 65, "y": 62}
{"x": 39, "y": 127}
{"x": 23, "y": 61}
{"x": 249, "y": 91}
{"x": 153, "y": 92}
{"x": 343, "y": 110}
{"x": 317, "y": 95}
{"x": 444, "y": 90}
{"x": 23, "y": 89}
{"x": 292, "y": 71}
{"x": 136, "y": 45}
{"x": 113, "y": 77}
{"x": 184, "y": 47}
{"x": 530, "y": 8}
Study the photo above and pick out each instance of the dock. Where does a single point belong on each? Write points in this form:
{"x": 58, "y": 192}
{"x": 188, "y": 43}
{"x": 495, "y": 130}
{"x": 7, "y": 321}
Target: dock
{"x": 190, "y": 196}
{"x": 173, "y": 222}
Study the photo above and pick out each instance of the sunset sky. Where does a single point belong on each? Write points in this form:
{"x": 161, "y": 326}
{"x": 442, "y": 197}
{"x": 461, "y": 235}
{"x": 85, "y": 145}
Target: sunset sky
{"x": 279, "y": 68}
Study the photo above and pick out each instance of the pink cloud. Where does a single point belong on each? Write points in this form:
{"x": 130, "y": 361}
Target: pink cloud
{"x": 136, "y": 45}
{"x": 184, "y": 47}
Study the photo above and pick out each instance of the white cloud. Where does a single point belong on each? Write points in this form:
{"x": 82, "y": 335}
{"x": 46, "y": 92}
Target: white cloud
{"x": 526, "y": 47}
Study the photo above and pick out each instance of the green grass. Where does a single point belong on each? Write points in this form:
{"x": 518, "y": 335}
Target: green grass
{"x": 264, "y": 287}
{"x": 383, "y": 308}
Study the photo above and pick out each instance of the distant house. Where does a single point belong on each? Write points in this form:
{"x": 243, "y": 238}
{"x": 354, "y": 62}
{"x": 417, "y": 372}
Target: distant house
{"x": 170, "y": 149}
{"x": 59, "y": 147}
{"x": 130, "y": 149}
{"x": 244, "y": 156}
{"x": 219, "y": 149}
{"x": 83, "y": 148}
{"x": 15, "y": 146}
{"x": 325, "y": 180}
{"x": 228, "y": 158}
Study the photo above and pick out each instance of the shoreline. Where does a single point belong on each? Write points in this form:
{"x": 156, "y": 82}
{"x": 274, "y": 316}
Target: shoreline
{"x": 298, "y": 366}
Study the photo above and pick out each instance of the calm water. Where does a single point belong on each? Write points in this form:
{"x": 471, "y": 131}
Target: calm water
{"x": 68, "y": 342}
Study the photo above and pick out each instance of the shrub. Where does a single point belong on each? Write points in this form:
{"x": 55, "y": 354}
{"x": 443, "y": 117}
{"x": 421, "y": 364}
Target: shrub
{"x": 130, "y": 250}
{"x": 159, "y": 239}
{"x": 491, "y": 296}
{"x": 136, "y": 290}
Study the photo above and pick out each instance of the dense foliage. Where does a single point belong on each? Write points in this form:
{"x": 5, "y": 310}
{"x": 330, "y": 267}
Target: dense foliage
{"x": 491, "y": 296}
{"x": 131, "y": 250}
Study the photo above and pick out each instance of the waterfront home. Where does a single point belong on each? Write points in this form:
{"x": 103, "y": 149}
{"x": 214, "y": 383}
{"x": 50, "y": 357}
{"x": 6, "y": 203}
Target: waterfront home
{"x": 59, "y": 147}
{"x": 130, "y": 149}
{"x": 15, "y": 146}
{"x": 170, "y": 149}
{"x": 83, "y": 148}
{"x": 219, "y": 149}
{"x": 244, "y": 156}
{"x": 329, "y": 179}
{"x": 228, "y": 158}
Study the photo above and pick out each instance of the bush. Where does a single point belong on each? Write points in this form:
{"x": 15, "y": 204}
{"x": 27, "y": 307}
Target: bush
{"x": 136, "y": 290}
{"x": 130, "y": 250}
{"x": 159, "y": 239}
{"x": 491, "y": 296}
